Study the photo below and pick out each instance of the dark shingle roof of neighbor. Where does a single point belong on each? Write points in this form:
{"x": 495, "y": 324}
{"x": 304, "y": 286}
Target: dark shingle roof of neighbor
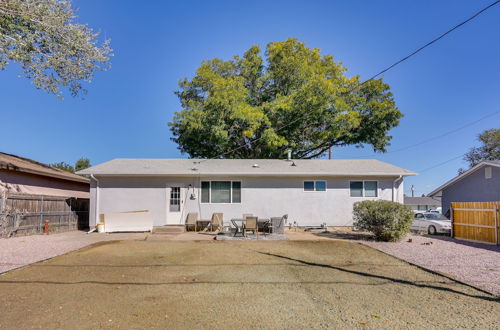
{"x": 248, "y": 167}
{"x": 421, "y": 201}
{"x": 21, "y": 164}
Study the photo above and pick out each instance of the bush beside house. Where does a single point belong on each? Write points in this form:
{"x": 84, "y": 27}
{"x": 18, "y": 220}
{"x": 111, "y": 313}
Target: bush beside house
{"x": 388, "y": 221}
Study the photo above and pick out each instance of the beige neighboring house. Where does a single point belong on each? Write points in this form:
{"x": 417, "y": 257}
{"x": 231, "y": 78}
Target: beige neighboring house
{"x": 19, "y": 175}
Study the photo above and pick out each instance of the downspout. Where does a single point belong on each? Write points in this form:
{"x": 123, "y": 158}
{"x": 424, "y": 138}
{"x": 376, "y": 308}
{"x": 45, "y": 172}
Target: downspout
{"x": 393, "y": 188}
{"x": 96, "y": 199}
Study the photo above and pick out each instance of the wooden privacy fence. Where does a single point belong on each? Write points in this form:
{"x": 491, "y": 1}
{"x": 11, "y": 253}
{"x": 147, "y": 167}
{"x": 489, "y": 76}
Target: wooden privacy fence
{"x": 476, "y": 221}
{"x": 22, "y": 214}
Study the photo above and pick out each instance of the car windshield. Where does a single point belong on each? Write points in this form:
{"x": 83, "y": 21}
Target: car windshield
{"x": 434, "y": 216}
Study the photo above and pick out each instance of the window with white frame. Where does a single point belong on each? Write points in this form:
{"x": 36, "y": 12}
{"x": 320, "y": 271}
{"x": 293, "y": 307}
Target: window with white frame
{"x": 221, "y": 192}
{"x": 364, "y": 188}
{"x": 315, "y": 185}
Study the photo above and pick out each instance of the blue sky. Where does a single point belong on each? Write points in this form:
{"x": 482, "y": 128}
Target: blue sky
{"x": 126, "y": 111}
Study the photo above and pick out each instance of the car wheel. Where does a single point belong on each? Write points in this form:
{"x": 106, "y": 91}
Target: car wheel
{"x": 432, "y": 230}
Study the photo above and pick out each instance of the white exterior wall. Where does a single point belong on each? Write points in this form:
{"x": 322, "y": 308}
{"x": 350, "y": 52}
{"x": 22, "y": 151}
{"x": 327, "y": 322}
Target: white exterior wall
{"x": 262, "y": 196}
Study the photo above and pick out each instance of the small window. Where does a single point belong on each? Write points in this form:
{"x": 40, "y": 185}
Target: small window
{"x": 314, "y": 185}
{"x": 371, "y": 188}
{"x": 356, "y": 188}
{"x": 308, "y": 185}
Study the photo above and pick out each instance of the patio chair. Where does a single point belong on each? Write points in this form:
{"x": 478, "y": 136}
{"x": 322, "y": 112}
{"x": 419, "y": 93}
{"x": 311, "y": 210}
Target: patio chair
{"x": 217, "y": 222}
{"x": 246, "y": 215}
{"x": 276, "y": 223}
{"x": 191, "y": 219}
{"x": 251, "y": 224}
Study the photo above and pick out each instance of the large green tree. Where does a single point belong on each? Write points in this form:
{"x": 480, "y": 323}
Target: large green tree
{"x": 53, "y": 50}
{"x": 488, "y": 150}
{"x": 80, "y": 164}
{"x": 293, "y": 98}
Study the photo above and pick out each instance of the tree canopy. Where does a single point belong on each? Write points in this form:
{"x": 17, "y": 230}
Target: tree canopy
{"x": 488, "y": 150}
{"x": 64, "y": 166}
{"x": 51, "y": 48}
{"x": 292, "y": 98}
{"x": 80, "y": 164}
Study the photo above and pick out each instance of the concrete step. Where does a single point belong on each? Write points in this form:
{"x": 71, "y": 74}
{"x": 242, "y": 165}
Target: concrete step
{"x": 169, "y": 229}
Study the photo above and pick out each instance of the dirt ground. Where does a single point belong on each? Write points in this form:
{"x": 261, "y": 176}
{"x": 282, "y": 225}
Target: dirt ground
{"x": 211, "y": 284}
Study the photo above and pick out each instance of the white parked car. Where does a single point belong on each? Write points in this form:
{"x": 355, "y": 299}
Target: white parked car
{"x": 431, "y": 223}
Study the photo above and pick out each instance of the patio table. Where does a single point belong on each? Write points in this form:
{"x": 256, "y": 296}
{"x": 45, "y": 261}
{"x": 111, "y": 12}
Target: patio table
{"x": 239, "y": 227}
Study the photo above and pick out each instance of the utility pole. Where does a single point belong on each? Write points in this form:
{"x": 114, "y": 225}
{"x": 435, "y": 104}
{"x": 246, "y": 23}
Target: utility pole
{"x": 330, "y": 153}
{"x": 412, "y": 191}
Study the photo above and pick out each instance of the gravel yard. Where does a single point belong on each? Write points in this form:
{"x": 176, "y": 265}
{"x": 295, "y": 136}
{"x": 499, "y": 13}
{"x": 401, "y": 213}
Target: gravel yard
{"x": 20, "y": 251}
{"x": 234, "y": 284}
{"x": 474, "y": 263}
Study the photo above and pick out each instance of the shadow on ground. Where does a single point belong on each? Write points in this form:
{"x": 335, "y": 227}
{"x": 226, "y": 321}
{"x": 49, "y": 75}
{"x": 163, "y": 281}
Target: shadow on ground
{"x": 387, "y": 278}
{"x": 350, "y": 235}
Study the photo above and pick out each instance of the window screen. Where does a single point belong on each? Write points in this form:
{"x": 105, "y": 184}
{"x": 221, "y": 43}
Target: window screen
{"x": 205, "y": 192}
{"x": 308, "y": 185}
{"x": 220, "y": 192}
{"x": 236, "y": 192}
{"x": 320, "y": 186}
{"x": 371, "y": 188}
{"x": 356, "y": 188}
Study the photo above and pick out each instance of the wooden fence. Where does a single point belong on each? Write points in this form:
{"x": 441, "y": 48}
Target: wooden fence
{"x": 476, "y": 221}
{"x": 26, "y": 214}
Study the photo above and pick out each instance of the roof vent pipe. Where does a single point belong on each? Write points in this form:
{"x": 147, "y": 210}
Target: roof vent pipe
{"x": 289, "y": 154}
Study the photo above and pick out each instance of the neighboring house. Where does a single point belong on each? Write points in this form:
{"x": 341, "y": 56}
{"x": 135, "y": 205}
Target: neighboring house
{"x": 422, "y": 203}
{"x": 311, "y": 192}
{"x": 479, "y": 184}
{"x": 21, "y": 175}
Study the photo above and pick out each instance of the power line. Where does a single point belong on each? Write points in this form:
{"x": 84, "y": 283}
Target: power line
{"x": 437, "y": 165}
{"x": 438, "y": 38}
{"x": 438, "y": 136}
{"x": 371, "y": 78}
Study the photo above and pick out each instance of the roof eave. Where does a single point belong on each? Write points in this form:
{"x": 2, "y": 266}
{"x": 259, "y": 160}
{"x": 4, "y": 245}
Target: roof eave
{"x": 198, "y": 173}
{"x": 52, "y": 175}
{"x": 460, "y": 177}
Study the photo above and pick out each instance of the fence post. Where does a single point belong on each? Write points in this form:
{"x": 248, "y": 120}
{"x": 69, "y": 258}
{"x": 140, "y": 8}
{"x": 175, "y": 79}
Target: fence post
{"x": 69, "y": 214}
{"x": 2, "y": 202}
{"x": 496, "y": 224}
{"x": 41, "y": 215}
{"x": 452, "y": 234}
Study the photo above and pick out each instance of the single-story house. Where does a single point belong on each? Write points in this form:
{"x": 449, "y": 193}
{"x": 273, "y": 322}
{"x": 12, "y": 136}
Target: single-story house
{"x": 479, "y": 184}
{"x": 422, "y": 203}
{"x": 311, "y": 192}
{"x": 21, "y": 175}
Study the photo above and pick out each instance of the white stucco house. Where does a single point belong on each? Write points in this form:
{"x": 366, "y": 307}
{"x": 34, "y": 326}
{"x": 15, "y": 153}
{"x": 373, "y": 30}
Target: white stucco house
{"x": 311, "y": 192}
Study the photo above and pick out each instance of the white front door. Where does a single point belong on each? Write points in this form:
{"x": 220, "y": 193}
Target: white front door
{"x": 175, "y": 204}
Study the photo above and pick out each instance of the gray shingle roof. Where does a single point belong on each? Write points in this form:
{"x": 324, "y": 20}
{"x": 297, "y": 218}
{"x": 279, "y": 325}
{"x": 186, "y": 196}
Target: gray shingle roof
{"x": 272, "y": 167}
{"x": 421, "y": 201}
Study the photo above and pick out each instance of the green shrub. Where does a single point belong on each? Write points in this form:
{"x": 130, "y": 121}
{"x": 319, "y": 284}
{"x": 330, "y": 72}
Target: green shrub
{"x": 388, "y": 221}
